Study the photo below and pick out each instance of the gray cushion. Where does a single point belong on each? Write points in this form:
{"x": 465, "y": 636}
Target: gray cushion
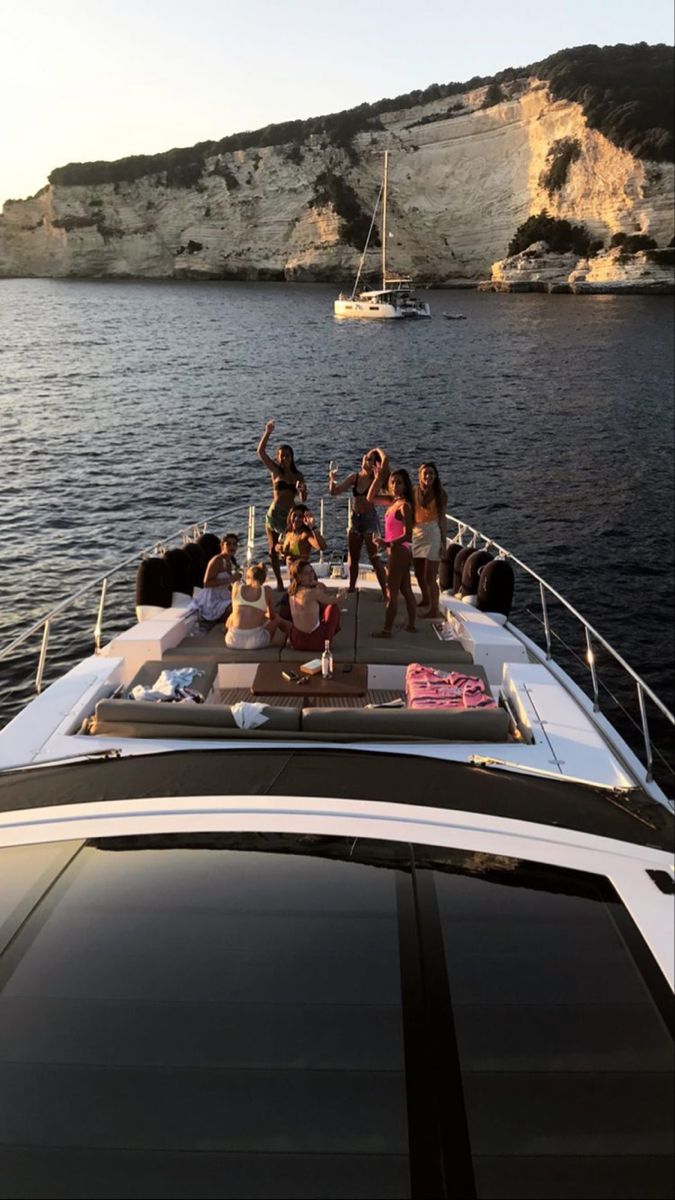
{"x": 150, "y": 729}
{"x": 444, "y": 725}
{"x": 212, "y": 646}
{"x": 193, "y": 716}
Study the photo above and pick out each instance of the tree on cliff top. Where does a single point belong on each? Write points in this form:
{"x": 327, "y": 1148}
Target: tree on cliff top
{"x": 626, "y": 92}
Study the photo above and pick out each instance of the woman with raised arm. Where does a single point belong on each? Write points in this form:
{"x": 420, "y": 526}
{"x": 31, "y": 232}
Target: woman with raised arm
{"x": 397, "y": 540}
{"x": 429, "y": 535}
{"x": 287, "y": 483}
{"x": 364, "y": 525}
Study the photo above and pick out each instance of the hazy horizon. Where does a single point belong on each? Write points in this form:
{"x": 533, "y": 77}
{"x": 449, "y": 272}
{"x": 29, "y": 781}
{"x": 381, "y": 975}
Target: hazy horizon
{"x": 80, "y": 86}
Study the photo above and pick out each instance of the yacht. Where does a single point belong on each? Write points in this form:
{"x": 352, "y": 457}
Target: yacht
{"x": 396, "y": 299}
{"x": 281, "y": 939}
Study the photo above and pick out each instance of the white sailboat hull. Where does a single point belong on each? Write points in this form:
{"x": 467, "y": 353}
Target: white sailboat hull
{"x": 373, "y": 311}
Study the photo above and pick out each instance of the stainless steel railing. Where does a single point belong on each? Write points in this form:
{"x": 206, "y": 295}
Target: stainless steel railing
{"x": 188, "y": 533}
{"x": 592, "y": 637}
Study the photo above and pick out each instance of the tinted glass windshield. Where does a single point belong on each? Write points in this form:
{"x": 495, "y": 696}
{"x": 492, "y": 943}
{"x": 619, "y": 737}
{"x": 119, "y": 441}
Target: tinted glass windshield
{"x": 264, "y": 1015}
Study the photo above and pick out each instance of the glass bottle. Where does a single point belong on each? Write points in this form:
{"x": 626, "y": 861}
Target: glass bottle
{"x": 327, "y": 662}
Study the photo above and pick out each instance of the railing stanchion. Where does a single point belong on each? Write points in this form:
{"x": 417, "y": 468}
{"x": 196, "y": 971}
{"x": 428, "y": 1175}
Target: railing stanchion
{"x": 321, "y": 514}
{"x": 547, "y": 627}
{"x": 250, "y": 537}
{"x": 99, "y": 620}
{"x": 590, "y": 658}
{"x": 645, "y": 733}
{"x": 43, "y": 659}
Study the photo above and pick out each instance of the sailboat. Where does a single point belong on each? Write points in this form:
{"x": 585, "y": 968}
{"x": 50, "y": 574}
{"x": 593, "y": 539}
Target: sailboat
{"x": 396, "y": 299}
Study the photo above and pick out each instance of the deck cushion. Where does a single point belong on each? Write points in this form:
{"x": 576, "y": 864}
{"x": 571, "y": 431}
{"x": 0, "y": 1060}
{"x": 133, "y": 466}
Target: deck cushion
{"x": 444, "y": 725}
{"x": 150, "y": 672}
{"x": 218, "y": 717}
{"x": 212, "y": 646}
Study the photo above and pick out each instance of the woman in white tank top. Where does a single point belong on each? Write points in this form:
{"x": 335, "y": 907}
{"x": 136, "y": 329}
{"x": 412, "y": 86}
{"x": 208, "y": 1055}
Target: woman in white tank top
{"x": 253, "y": 621}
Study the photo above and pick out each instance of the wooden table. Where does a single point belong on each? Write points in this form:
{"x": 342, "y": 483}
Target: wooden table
{"x": 269, "y": 681}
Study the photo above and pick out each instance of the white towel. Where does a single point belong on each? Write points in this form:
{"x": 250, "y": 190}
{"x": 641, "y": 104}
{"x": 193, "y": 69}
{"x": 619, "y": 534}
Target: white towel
{"x": 247, "y": 715}
{"x": 169, "y": 685}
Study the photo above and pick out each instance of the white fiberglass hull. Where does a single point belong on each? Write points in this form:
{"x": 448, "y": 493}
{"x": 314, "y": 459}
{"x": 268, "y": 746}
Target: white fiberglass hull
{"x": 366, "y": 310}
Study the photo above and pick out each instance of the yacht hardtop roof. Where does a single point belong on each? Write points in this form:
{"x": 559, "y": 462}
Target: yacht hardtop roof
{"x": 349, "y": 774}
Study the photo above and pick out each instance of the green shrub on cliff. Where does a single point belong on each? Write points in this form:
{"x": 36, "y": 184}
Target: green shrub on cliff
{"x": 494, "y": 95}
{"x": 561, "y": 155}
{"x": 626, "y": 92}
{"x": 630, "y": 243}
{"x": 354, "y": 222}
{"x": 561, "y": 236}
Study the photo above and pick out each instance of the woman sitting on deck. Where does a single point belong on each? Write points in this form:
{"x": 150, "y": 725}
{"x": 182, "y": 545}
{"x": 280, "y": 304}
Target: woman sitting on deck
{"x": 397, "y": 541}
{"x": 302, "y": 535}
{"x": 213, "y": 601}
{"x": 253, "y": 621}
{"x": 316, "y": 616}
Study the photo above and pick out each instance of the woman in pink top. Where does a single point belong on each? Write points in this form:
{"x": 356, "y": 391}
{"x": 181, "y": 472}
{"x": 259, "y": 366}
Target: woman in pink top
{"x": 397, "y": 540}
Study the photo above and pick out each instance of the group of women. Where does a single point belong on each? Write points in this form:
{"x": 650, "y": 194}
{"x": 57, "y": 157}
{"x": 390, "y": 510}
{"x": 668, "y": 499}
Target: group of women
{"x": 414, "y": 532}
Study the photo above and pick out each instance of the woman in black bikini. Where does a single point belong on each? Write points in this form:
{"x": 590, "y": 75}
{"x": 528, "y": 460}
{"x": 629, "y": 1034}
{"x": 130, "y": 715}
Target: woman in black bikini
{"x": 287, "y": 482}
{"x": 364, "y": 525}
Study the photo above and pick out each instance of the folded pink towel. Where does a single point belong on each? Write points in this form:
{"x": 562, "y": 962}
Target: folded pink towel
{"x": 427, "y": 688}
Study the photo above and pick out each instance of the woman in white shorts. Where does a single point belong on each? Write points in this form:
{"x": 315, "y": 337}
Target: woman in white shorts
{"x": 253, "y": 621}
{"x": 429, "y": 536}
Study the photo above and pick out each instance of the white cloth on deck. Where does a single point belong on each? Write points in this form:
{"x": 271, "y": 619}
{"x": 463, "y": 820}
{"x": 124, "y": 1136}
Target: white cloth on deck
{"x": 248, "y": 715}
{"x": 169, "y": 685}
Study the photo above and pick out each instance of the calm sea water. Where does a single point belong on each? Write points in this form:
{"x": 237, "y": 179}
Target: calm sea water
{"x": 128, "y": 409}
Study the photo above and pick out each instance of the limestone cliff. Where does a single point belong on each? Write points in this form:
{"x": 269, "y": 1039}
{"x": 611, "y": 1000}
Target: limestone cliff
{"x": 463, "y": 177}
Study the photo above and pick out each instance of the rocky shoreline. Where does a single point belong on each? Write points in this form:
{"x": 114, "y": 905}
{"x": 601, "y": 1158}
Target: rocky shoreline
{"x": 611, "y": 272}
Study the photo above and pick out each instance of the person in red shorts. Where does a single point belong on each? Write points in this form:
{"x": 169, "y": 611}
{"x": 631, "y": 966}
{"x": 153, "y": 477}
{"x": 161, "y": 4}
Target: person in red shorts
{"x": 314, "y": 611}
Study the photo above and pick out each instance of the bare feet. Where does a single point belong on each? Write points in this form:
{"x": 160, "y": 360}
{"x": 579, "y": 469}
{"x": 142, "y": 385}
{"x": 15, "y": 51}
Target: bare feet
{"x": 410, "y": 629}
{"x": 381, "y": 633}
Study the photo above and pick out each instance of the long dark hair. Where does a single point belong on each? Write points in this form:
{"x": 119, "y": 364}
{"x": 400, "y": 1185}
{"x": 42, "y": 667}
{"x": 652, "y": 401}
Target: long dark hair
{"x": 437, "y": 489}
{"x": 289, "y": 450}
{"x": 295, "y": 508}
{"x": 407, "y": 485}
{"x": 294, "y": 570}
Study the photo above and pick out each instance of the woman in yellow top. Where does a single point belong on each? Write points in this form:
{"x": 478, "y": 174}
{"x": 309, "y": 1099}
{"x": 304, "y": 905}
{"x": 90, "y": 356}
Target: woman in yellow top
{"x": 429, "y": 535}
{"x": 302, "y": 535}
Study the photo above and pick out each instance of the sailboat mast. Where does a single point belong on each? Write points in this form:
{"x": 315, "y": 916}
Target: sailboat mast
{"x": 384, "y": 220}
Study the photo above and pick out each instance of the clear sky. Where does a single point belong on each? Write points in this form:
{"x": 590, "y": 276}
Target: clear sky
{"x": 84, "y": 79}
